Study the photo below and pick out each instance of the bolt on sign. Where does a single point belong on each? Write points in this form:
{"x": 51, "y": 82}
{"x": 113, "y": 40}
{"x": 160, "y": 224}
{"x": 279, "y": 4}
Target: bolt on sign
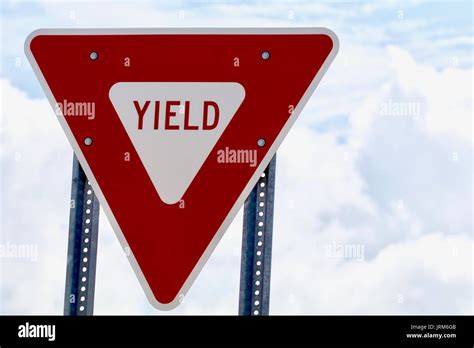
{"x": 173, "y": 128}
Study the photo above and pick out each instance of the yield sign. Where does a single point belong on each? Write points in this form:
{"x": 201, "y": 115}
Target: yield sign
{"x": 173, "y": 127}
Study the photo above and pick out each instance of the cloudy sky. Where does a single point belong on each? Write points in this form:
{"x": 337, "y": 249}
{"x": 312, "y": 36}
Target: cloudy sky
{"x": 380, "y": 160}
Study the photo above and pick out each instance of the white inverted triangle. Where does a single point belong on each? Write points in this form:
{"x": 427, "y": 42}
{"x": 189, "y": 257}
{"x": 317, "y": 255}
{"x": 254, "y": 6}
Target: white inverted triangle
{"x": 172, "y": 158}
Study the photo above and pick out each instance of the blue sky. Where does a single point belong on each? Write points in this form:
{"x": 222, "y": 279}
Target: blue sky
{"x": 428, "y": 21}
{"x": 349, "y": 173}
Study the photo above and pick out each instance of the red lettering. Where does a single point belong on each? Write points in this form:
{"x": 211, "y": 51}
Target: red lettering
{"x": 186, "y": 118}
{"x": 170, "y": 114}
{"x": 157, "y": 114}
{"x": 141, "y": 112}
{"x": 205, "y": 124}
{"x": 210, "y": 115}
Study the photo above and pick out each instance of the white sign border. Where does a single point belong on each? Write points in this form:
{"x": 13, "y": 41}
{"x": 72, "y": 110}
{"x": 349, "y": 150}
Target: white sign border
{"x": 248, "y": 188}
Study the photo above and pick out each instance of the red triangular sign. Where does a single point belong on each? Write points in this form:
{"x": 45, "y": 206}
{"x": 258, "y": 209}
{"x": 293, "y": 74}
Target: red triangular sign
{"x": 173, "y": 127}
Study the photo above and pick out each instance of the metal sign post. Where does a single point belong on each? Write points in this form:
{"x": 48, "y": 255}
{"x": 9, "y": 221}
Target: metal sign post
{"x": 82, "y": 245}
{"x": 257, "y": 246}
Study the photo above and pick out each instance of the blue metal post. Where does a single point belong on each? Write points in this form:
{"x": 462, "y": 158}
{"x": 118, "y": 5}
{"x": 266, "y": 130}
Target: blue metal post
{"x": 257, "y": 246}
{"x": 82, "y": 245}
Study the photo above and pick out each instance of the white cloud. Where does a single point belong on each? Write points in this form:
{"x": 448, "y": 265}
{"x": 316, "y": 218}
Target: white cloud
{"x": 430, "y": 274}
{"x": 446, "y": 95}
{"x": 36, "y": 167}
{"x": 394, "y": 185}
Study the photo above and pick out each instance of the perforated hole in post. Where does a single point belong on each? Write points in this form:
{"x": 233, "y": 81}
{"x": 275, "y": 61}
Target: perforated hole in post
{"x": 258, "y": 266}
